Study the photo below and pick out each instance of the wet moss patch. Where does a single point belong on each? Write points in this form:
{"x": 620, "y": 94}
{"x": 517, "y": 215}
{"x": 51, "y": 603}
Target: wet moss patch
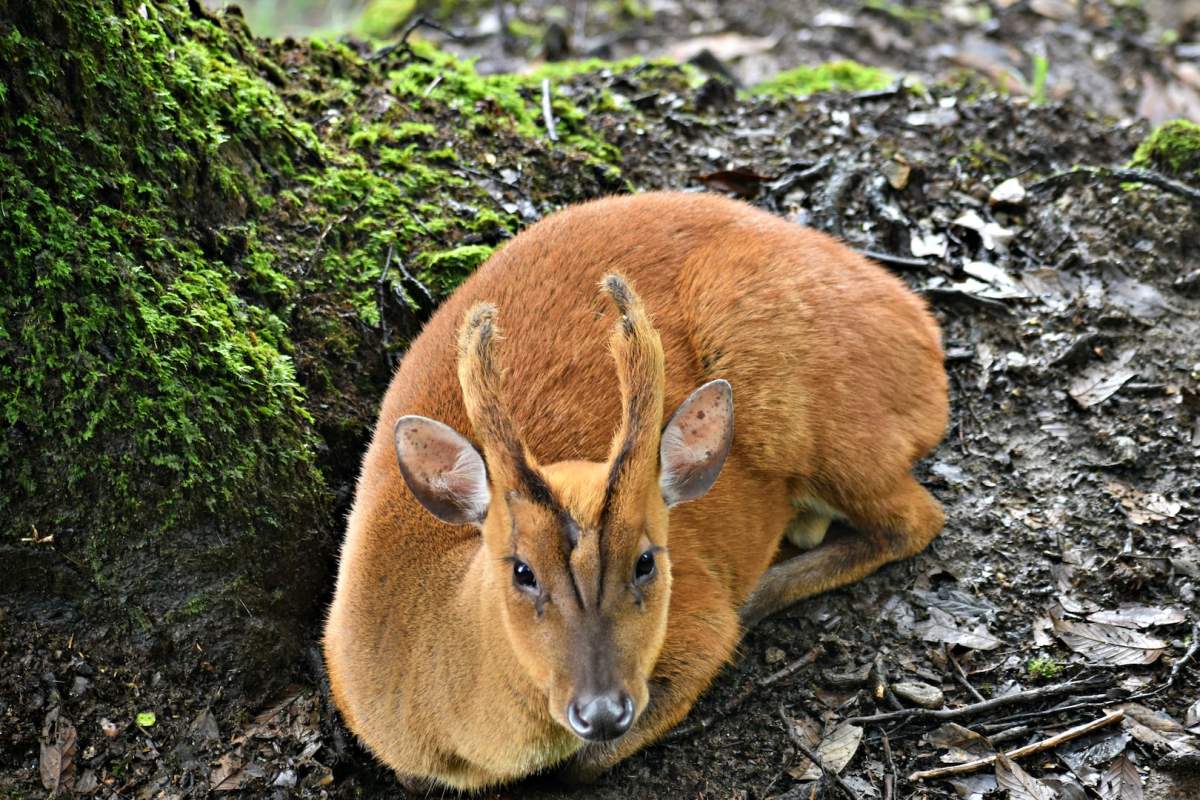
{"x": 1172, "y": 148}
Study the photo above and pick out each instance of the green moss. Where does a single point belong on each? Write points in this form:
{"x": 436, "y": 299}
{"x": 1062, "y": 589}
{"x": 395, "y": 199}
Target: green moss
{"x": 205, "y": 258}
{"x": 444, "y": 270}
{"x": 1042, "y": 667}
{"x": 841, "y": 76}
{"x": 1172, "y": 148}
{"x": 382, "y": 18}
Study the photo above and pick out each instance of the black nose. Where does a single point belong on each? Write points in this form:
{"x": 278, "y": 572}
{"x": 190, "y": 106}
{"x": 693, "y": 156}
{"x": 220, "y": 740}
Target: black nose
{"x": 599, "y": 718}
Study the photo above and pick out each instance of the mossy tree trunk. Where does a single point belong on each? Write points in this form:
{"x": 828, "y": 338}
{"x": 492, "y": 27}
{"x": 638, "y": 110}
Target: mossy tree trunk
{"x": 214, "y": 249}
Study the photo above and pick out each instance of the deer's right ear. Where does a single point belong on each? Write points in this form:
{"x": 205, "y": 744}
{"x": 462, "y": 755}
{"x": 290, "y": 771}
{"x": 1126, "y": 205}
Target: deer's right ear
{"x": 443, "y": 471}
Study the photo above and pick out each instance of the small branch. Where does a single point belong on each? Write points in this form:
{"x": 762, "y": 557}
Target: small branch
{"x": 962, "y": 676}
{"x": 1177, "y": 667}
{"x": 977, "y": 708}
{"x": 402, "y": 43}
{"x": 745, "y": 694}
{"x": 811, "y": 756}
{"x": 1123, "y": 175}
{"x": 547, "y": 111}
{"x": 1036, "y": 747}
{"x": 889, "y": 780}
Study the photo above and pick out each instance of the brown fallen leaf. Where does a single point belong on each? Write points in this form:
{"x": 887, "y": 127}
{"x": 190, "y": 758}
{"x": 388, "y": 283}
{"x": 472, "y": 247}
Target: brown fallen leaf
{"x": 1019, "y": 783}
{"x": 1122, "y": 781}
{"x": 1143, "y": 507}
{"x": 56, "y": 762}
{"x": 835, "y": 751}
{"x": 1109, "y": 644}
{"x": 742, "y": 181}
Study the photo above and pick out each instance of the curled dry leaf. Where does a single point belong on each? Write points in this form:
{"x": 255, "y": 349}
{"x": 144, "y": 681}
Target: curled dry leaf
{"x": 1109, "y": 644}
{"x": 1019, "y": 783}
{"x": 1122, "y": 781}
{"x": 743, "y": 182}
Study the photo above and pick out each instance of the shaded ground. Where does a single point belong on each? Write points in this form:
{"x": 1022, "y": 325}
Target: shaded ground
{"x": 1070, "y": 474}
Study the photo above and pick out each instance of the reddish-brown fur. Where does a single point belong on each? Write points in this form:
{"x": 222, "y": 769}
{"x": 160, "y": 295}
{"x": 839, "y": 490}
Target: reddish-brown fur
{"x": 436, "y": 661}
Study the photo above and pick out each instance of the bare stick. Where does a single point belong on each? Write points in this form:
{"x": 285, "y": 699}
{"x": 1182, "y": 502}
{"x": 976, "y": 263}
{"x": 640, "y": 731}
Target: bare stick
{"x": 889, "y": 780}
{"x": 745, "y": 694}
{"x": 977, "y": 708}
{"x": 899, "y": 261}
{"x": 1123, "y": 175}
{"x": 1036, "y": 747}
{"x": 811, "y": 756}
{"x": 961, "y": 675}
{"x": 547, "y": 111}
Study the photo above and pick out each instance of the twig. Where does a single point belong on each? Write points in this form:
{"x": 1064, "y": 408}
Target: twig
{"x": 889, "y": 780}
{"x": 402, "y": 42}
{"x": 811, "y": 756}
{"x": 962, "y": 676}
{"x": 547, "y": 111}
{"x": 1036, "y": 747}
{"x": 746, "y": 693}
{"x": 899, "y": 261}
{"x": 1177, "y": 667}
{"x": 1123, "y": 175}
{"x": 977, "y": 708}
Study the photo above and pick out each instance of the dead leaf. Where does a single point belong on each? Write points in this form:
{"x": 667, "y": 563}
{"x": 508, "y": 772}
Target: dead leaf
{"x": 942, "y": 627}
{"x": 1129, "y": 615}
{"x": 727, "y": 46}
{"x": 1102, "y": 381}
{"x": 1109, "y": 644}
{"x": 1019, "y": 783}
{"x": 961, "y": 743}
{"x": 743, "y": 182}
{"x": 1192, "y": 717}
{"x": 994, "y": 236}
{"x": 928, "y": 244}
{"x": 1057, "y": 10}
{"x": 974, "y": 787}
{"x": 1143, "y": 507}
{"x": 1008, "y": 193}
{"x": 998, "y": 284}
{"x": 1122, "y": 781}
{"x": 56, "y": 762}
{"x": 835, "y": 751}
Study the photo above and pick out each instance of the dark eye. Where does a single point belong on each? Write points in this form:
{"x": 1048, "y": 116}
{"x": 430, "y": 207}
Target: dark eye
{"x": 523, "y": 576}
{"x": 644, "y": 570}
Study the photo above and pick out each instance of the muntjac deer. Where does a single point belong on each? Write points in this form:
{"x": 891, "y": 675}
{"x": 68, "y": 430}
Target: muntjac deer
{"x": 541, "y": 567}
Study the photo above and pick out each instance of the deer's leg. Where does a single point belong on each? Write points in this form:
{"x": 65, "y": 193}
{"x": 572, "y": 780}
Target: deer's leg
{"x": 893, "y": 527}
{"x": 700, "y": 641}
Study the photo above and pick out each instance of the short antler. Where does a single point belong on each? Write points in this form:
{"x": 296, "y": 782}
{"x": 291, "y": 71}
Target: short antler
{"x": 638, "y": 353}
{"x": 482, "y": 383}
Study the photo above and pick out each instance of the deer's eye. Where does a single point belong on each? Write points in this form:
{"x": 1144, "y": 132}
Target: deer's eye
{"x": 643, "y": 571}
{"x": 523, "y": 576}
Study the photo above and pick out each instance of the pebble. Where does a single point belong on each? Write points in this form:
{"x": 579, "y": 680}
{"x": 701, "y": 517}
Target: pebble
{"x": 775, "y": 655}
{"x": 921, "y": 694}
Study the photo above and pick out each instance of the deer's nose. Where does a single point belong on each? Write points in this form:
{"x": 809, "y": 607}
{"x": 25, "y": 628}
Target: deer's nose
{"x": 600, "y": 717}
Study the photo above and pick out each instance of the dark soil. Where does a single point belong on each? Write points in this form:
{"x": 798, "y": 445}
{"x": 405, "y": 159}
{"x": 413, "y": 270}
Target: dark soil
{"x": 1062, "y": 499}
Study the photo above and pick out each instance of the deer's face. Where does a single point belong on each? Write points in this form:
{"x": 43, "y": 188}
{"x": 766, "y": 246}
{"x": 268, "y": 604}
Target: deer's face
{"x": 578, "y": 556}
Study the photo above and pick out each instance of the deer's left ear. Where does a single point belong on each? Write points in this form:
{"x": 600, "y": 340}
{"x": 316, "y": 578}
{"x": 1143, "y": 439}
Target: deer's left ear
{"x": 695, "y": 443}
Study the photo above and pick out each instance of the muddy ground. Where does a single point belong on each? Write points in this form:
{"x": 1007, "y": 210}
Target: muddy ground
{"x": 1070, "y": 471}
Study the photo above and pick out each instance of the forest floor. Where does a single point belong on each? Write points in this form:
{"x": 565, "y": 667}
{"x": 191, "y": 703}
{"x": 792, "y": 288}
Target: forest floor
{"x": 1070, "y": 473}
